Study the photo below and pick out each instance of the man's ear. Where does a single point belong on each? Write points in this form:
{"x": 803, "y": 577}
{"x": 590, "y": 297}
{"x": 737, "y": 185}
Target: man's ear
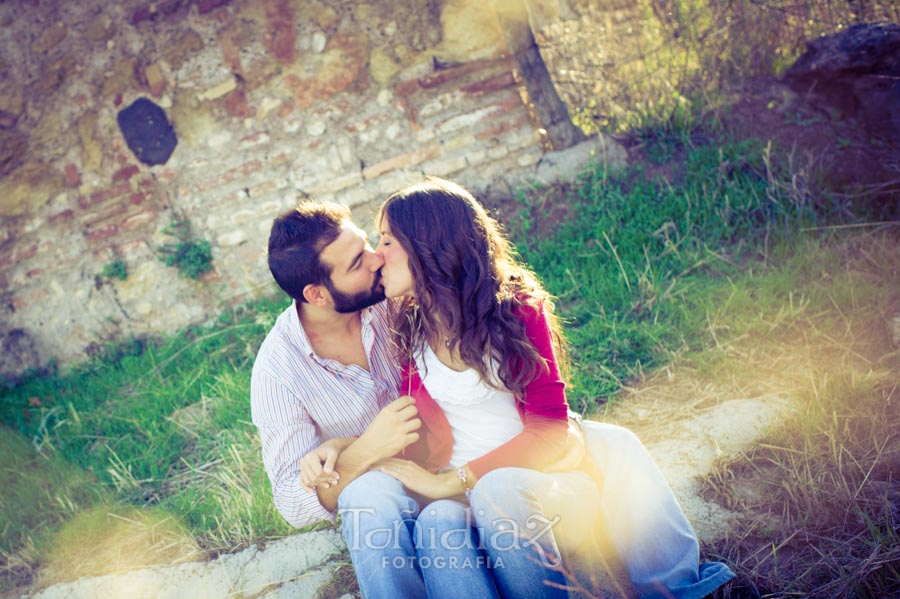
{"x": 316, "y": 295}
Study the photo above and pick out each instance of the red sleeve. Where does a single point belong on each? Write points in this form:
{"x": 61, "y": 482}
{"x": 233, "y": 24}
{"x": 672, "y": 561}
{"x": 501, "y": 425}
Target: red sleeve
{"x": 544, "y": 413}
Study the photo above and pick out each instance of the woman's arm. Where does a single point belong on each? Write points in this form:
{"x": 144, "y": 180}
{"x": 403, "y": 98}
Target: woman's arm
{"x": 545, "y": 413}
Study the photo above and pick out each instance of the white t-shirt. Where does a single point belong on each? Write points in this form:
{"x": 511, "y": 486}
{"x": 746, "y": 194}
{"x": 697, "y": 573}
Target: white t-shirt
{"x": 481, "y": 417}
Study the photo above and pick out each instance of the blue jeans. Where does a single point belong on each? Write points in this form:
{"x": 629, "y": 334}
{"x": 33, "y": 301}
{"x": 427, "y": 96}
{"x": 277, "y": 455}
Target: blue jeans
{"x": 644, "y": 522}
{"x": 535, "y": 534}
{"x": 399, "y": 550}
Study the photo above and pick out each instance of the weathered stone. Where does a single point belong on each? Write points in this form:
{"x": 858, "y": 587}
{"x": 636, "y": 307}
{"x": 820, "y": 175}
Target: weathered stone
{"x": 318, "y": 42}
{"x": 28, "y": 188}
{"x": 232, "y": 238}
{"x": 12, "y": 103}
{"x": 50, "y": 38}
{"x": 91, "y": 149}
{"x": 218, "y": 91}
{"x": 266, "y": 106}
{"x": 119, "y": 79}
{"x": 13, "y": 150}
{"x": 316, "y": 128}
{"x": 54, "y": 73}
{"x": 155, "y": 79}
{"x": 181, "y": 47}
{"x": 470, "y": 31}
{"x": 19, "y": 351}
{"x": 331, "y": 72}
{"x": 323, "y": 16}
{"x": 382, "y": 67}
{"x": 857, "y": 72}
{"x": 193, "y": 120}
{"x": 99, "y": 29}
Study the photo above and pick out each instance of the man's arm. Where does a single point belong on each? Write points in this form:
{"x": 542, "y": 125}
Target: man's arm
{"x": 287, "y": 433}
{"x": 393, "y": 429}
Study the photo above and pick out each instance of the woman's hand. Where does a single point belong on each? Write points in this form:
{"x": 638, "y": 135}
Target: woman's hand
{"x": 421, "y": 481}
{"x": 317, "y": 467}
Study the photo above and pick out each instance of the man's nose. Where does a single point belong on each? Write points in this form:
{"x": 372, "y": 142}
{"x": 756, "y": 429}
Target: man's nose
{"x": 376, "y": 261}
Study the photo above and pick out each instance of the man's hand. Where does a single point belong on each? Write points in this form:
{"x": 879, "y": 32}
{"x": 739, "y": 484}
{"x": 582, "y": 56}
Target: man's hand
{"x": 392, "y": 430}
{"x": 317, "y": 467}
{"x": 574, "y": 452}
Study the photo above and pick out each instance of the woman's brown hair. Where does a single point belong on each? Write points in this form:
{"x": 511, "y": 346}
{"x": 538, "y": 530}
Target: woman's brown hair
{"x": 468, "y": 279}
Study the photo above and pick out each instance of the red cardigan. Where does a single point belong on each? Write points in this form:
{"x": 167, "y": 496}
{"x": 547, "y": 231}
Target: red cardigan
{"x": 543, "y": 410}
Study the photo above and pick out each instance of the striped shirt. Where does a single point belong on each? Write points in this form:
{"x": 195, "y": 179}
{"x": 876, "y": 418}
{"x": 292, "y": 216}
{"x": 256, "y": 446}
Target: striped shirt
{"x": 299, "y": 400}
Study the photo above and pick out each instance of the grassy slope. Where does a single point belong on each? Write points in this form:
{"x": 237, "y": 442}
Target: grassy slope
{"x": 647, "y": 269}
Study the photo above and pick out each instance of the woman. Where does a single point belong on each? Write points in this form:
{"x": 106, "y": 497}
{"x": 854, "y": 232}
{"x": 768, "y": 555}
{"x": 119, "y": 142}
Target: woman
{"x": 482, "y": 351}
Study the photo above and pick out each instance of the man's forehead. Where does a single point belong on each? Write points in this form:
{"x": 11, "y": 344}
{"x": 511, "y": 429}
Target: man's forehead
{"x": 343, "y": 250}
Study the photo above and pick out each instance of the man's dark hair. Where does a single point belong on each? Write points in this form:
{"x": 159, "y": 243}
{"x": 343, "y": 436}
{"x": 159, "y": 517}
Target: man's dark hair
{"x": 298, "y": 237}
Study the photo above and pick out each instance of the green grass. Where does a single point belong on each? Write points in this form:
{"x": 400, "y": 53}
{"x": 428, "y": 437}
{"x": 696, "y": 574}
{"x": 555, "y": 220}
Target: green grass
{"x": 640, "y": 262}
{"x": 152, "y": 423}
{"x": 649, "y": 266}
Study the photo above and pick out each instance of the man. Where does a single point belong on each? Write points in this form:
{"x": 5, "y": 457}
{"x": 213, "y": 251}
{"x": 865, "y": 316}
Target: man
{"x": 323, "y": 395}
{"x": 326, "y": 372}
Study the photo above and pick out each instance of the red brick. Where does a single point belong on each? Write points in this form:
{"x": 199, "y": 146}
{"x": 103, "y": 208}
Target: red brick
{"x": 73, "y": 178}
{"x": 281, "y": 36}
{"x": 102, "y": 233}
{"x": 280, "y": 158}
{"x": 231, "y": 175}
{"x": 105, "y": 214}
{"x": 500, "y": 129}
{"x": 514, "y": 101}
{"x": 254, "y": 139}
{"x": 265, "y": 187}
{"x": 136, "y": 220}
{"x": 367, "y": 123}
{"x": 136, "y": 198}
{"x": 63, "y": 215}
{"x": 22, "y": 255}
{"x": 492, "y": 84}
{"x": 406, "y": 88}
{"x": 107, "y": 194}
{"x": 236, "y": 104}
{"x": 126, "y": 173}
{"x": 403, "y": 160}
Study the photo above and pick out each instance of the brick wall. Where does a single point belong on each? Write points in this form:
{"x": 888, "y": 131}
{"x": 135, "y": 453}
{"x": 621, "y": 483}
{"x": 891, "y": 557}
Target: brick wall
{"x": 272, "y": 101}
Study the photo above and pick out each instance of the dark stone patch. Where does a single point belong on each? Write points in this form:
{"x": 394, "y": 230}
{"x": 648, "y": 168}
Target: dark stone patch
{"x": 147, "y": 131}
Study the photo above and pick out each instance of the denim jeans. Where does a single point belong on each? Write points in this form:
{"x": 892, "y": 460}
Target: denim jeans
{"x": 643, "y": 521}
{"x": 399, "y": 550}
{"x": 535, "y": 534}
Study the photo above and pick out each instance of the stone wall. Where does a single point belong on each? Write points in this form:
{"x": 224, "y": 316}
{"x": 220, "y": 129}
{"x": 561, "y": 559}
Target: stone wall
{"x": 271, "y": 101}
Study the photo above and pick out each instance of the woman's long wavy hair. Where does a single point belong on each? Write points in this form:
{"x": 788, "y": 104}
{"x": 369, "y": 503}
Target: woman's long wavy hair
{"x": 468, "y": 285}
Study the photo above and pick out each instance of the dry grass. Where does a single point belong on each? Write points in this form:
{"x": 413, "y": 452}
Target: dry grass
{"x": 818, "y": 498}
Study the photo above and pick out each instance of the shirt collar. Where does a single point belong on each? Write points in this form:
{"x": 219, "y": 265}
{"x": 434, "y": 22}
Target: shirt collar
{"x": 302, "y": 339}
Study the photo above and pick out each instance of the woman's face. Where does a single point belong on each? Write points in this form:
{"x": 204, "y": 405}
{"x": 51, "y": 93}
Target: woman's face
{"x": 396, "y": 278}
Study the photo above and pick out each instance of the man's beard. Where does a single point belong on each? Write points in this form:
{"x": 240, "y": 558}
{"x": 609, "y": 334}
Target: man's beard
{"x": 344, "y": 303}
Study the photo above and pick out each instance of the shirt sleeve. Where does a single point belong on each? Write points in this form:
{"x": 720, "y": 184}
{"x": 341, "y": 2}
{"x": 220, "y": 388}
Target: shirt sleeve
{"x": 287, "y": 434}
{"x": 545, "y": 411}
